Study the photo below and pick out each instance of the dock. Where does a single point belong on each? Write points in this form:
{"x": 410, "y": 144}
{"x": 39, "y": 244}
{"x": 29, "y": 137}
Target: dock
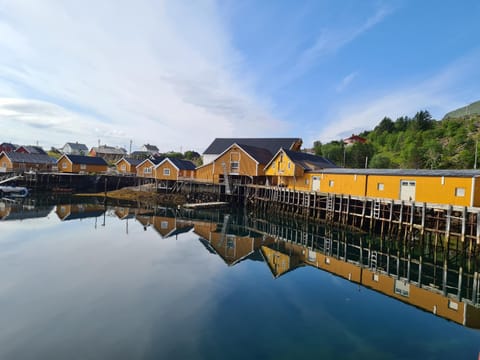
{"x": 207, "y": 205}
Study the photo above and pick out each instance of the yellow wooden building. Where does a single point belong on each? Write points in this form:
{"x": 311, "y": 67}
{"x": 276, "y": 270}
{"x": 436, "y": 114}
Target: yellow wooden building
{"x": 292, "y": 169}
{"x": 174, "y": 169}
{"x": 81, "y": 164}
{"x": 241, "y": 163}
{"x": 146, "y": 168}
{"x": 453, "y": 187}
{"x": 127, "y": 166}
{"x": 17, "y": 161}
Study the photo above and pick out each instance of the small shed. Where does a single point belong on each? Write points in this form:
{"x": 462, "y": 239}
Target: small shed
{"x": 174, "y": 169}
{"x": 146, "y": 168}
{"x": 127, "y": 165}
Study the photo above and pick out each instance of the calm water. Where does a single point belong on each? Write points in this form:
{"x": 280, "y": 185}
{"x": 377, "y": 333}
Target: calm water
{"x": 85, "y": 282}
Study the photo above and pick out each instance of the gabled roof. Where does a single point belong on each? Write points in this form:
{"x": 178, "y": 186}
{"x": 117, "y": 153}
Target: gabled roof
{"x": 27, "y": 158}
{"x": 76, "y": 146}
{"x": 31, "y": 149}
{"x": 309, "y": 161}
{"x": 87, "y": 160}
{"x": 131, "y": 161}
{"x": 261, "y": 155}
{"x": 5, "y": 144}
{"x": 219, "y": 145}
{"x": 154, "y": 160}
{"x": 178, "y": 163}
{"x": 110, "y": 150}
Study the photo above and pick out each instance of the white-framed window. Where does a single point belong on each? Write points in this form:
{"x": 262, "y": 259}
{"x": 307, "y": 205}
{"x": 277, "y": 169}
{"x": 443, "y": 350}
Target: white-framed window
{"x": 83, "y": 166}
{"x": 123, "y": 167}
{"x": 64, "y": 165}
{"x": 147, "y": 170}
{"x": 4, "y": 164}
{"x": 460, "y": 192}
{"x": 164, "y": 225}
{"x": 166, "y": 172}
{"x": 234, "y": 166}
{"x": 331, "y": 183}
{"x": 307, "y": 181}
{"x": 380, "y": 186}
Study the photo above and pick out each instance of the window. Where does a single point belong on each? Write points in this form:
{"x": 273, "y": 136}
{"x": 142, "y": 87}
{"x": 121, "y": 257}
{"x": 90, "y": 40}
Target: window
{"x": 147, "y": 170}
{"x": 234, "y": 166}
{"x": 288, "y": 165}
{"x": 123, "y": 167}
{"x": 331, "y": 183}
{"x": 402, "y": 288}
{"x": 460, "y": 192}
{"x": 166, "y": 172}
{"x": 64, "y": 165}
{"x": 164, "y": 225}
{"x": 380, "y": 186}
{"x": 443, "y": 180}
{"x": 4, "y": 164}
{"x": 83, "y": 166}
{"x": 452, "y": 305}
{"x": 375, "y": 277}
{"x": 306, "y": 181}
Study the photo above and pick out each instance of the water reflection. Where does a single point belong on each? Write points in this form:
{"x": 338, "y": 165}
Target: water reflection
{"x": 174, "y": 296}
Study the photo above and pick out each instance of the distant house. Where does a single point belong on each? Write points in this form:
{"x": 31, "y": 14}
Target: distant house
{"x": 151, "y": 149}
{"x": 31, "y": 149}
{"x": 108, "y": 153}
{"x": 127, "y": 165}
{"x": 81, "y": 164}
{"x": 174, "y": 169}
{"x": 354, "y": 139}
{"x": 140, "y": 155}
{"x": 18, "y": 161}
{"x": 146, "y": 168}
{"x": 74, "y": 149}
{"x": 7, "y": 147}
{"x": 219, "y": 145}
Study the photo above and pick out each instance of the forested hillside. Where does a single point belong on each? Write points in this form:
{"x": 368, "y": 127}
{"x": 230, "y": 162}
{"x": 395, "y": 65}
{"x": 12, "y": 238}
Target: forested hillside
{"x": 419, "y": 142}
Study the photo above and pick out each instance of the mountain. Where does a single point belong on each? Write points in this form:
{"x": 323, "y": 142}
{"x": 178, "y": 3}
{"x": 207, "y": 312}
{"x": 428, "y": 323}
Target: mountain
{"x": 472, "y": 109}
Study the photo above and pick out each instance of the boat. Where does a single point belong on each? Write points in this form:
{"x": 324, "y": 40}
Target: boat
{"x": 13, "y": 191}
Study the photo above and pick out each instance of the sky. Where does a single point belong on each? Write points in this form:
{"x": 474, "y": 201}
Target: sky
{"x": 180, "y": 73}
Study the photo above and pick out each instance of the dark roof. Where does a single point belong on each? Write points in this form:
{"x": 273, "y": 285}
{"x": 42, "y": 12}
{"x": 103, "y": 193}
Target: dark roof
{"x": 156, "y": 159}
{"x": 151, "y": 147}
{"x": 30, "y": 158}
{"x": 5, "y": 144}
{"x": 309, "y": 161}
{"x": 77, "y": 146}
{"x": 182, "y": 164}
{"x": 219, "y": 145}
{"x": 34, "y": 149}
{"x": 405, "y": 172}
{"x": 87, "y": 160}
{"x": 83, "y": 215}
{"x": 132, "y": 161}
{"x": 262, "y": 155}
{"x": 109, "y": 150}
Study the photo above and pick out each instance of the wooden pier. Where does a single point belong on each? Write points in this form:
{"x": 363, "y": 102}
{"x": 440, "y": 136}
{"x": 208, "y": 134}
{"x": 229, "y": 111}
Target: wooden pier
{"x": 393, "y": 218}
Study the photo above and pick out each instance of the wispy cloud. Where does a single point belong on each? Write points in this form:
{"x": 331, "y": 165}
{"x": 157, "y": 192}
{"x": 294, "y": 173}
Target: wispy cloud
{"x": 137, "y": 71}
{"x": 439, "y": 94}
{"x": 332, "y": 39}
{"x": 346, "y": 81}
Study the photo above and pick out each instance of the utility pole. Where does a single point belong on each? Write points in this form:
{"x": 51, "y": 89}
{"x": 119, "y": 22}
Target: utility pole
{"x": 130, "y": 151}
{"x": 476, "y": 150}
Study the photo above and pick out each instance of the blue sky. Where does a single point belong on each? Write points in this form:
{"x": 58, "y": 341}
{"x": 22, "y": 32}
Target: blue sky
{"x": 180, "y": 73}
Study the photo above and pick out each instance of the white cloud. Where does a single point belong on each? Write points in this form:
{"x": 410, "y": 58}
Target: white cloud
{"x": 438, "y": 94}
{"x": 346, "y": 81}
{"x": 157, "y": 72}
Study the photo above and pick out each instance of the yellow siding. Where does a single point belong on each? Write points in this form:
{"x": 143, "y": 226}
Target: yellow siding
{"x": 282, "y": 165}
{"x": 205, "y": 173}
{"x": 476, "y": 197}
{"x": 127, "y": 167}
{"x": 427, "y": 189}
{"x": 141, "y": 170}
{"x": 160, "y": 172}
{"x": 247, "y": 166}
{"x": 6, "y": 163}
{"x": 64, "y": 165}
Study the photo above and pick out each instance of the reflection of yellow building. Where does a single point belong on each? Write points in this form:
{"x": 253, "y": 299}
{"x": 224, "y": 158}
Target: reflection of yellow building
{"x": 79, "y": 211}
{"x": 230, "y": 247}
{"x": 286, "y": 257}
{"x": 165, "y": 226}
{"x": 21, "y": 212}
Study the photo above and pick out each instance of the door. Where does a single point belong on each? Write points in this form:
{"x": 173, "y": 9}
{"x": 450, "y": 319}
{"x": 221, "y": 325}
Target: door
{"x": 407, "y": 190}
{"x": 316, "y": 183}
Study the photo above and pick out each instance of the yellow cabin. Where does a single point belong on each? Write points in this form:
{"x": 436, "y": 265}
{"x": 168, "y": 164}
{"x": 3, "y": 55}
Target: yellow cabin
{"x": 293, "y": 169}
{"x": 127, "y": 166}
{"x": 81, "y": 164}
{"x": 17, "y": 161}
{"x": 146, "y": 168}
{"x": 174, "y": 169}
